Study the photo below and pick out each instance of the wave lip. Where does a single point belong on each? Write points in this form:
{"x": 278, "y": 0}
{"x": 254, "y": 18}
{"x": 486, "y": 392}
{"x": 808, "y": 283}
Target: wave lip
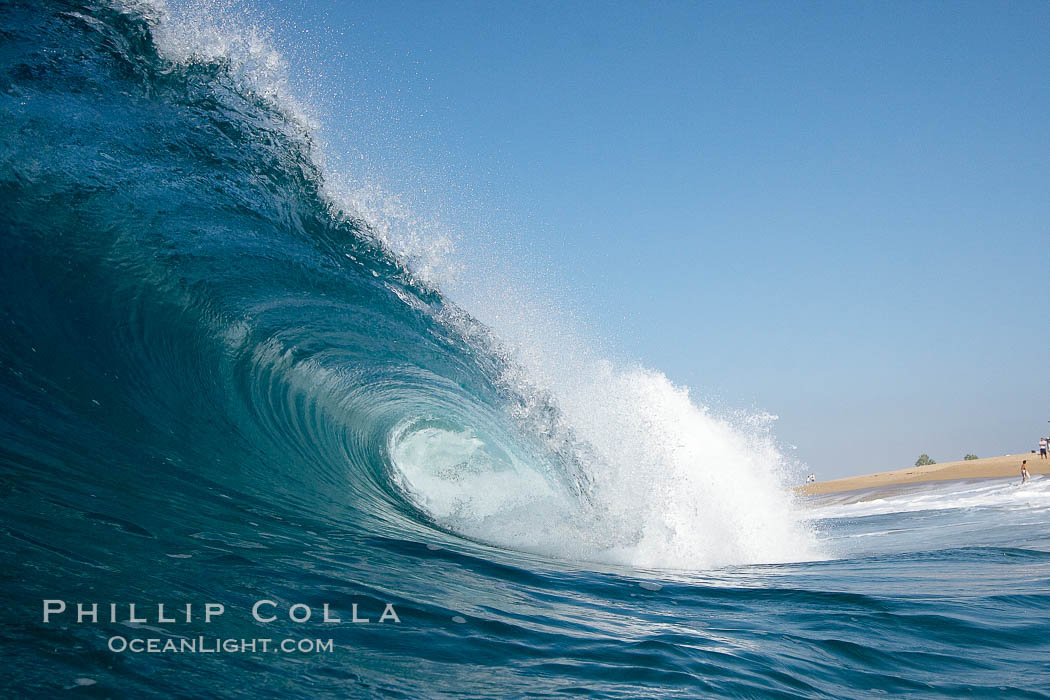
{"x": 172, "y": 168}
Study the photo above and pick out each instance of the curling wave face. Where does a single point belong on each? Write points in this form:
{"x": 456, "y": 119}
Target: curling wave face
{"x": 163, "y": 191}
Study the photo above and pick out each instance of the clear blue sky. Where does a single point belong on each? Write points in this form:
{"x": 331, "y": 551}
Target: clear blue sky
{"x": 835, "y": 212}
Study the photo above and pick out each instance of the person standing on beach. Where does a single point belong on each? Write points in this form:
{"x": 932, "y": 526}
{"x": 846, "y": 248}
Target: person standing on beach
{"x": 1024, "y": 471}
{"x": 1042, "y": 448}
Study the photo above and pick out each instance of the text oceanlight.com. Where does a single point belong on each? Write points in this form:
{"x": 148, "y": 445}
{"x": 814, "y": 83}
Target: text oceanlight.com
{"x": 214, "y": 645}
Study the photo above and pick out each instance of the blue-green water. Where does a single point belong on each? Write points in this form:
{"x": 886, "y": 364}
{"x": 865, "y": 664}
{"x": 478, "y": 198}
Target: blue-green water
{"x": 219, "y": 388}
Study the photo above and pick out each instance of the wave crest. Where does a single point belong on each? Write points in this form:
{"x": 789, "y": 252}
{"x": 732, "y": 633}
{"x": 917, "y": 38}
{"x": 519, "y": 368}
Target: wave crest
{"x": 300, "y": 346}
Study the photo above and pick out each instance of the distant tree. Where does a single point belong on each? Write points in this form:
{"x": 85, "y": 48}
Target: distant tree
{"x": 923, "y": 460}
{"x": 969, "y": 457}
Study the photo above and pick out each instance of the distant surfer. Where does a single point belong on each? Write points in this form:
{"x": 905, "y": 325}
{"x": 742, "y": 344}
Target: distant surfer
{"x": 1024, "y": 471}
{"x": 1042, "y": 448}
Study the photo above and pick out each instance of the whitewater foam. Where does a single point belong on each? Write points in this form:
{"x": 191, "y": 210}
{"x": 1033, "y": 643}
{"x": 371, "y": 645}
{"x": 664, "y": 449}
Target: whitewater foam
{"x": 939, "y": 496}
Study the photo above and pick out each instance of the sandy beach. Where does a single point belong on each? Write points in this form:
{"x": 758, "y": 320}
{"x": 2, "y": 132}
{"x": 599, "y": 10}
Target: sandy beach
{"x": 990, "y": 467}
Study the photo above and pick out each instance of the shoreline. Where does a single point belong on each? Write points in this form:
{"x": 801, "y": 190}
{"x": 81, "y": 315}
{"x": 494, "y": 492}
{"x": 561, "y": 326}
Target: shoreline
{"x": 987, "y": 468}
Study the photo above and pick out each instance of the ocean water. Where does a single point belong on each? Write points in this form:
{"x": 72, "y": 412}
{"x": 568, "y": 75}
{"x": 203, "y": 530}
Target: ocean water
{"x": 223, "y": 383}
